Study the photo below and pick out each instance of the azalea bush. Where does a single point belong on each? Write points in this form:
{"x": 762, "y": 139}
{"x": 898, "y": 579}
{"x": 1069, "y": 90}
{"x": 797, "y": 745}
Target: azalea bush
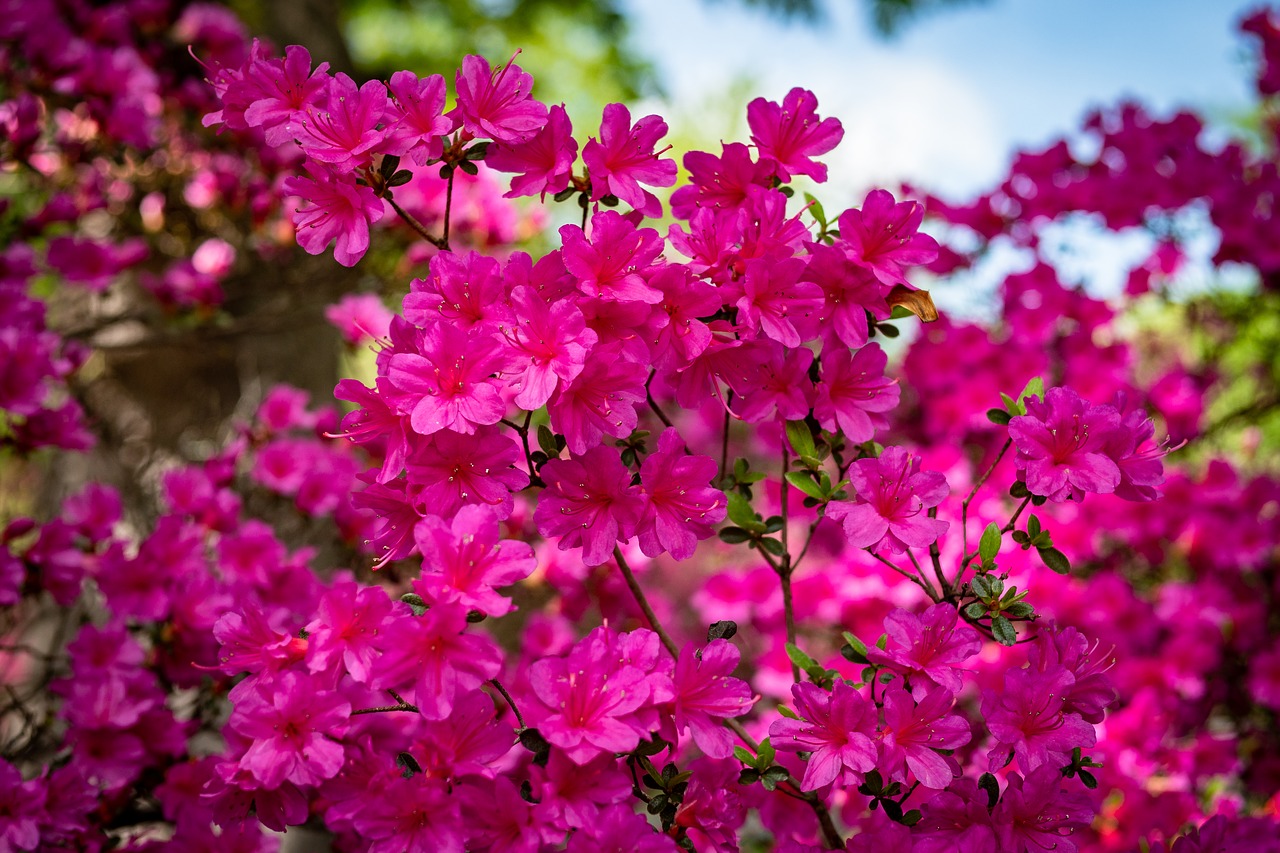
{"x": 703, "y": 533}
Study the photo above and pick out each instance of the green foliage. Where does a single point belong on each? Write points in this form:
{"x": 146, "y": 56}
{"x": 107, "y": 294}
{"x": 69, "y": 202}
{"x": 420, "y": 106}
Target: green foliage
{"x": 576, "y": 50}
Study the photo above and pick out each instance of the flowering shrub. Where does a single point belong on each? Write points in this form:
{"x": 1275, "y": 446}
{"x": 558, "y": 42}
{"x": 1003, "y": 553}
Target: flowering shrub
{"x": 675, "y": 548}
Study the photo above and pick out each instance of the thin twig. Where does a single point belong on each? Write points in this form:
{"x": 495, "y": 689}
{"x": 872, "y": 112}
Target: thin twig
{"x": 638, "y": 594}
{"x": 438, "y": 242}
{"x": 505, "y": 695}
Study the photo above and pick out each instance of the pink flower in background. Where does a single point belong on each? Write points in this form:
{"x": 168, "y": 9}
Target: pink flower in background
{"x": 624, "y": 158}
{"x": 887, "y": 512}
{"x": 360, "y": 318}
{"x": 790, "y": 134}
{"x": 336, "y": 210}
{"x": 1037, "y": 812}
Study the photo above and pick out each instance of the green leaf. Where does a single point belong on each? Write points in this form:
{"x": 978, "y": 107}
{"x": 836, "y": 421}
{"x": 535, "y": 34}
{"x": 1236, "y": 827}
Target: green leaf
{"x": 802, "y": 660}
{"x": 400, "y": 178}
{"x": 803, "y": 481}
{"x": 564, "y": 194}
{"x": 1020, "y": 610}
{"x": 975, "y": 610}
{"x": 741, "y": 513}
{"x": 788, "y": 713}
{"x": 766, "y": 753}
{"x": 912, "y": 817}
{"x": 469, "y": 167}
{"x": 989, "y": 545}
{"x": 547, "y": 441}
{"x": 773, "y": 777}
{"x": 1019, "y": 490}
{"x": 1002, "y": 628}
{"x": 734, "y": 535}
{"x": 1055, "y": 559}
{"x": 740, "y": 753}
{"x": 748, "y": 776}
{"x": 882, "y": 641}
{"x": 858, "y": 646}
{"x": 981, "y": 586}
{"x": 1033, "y": 526}
{"x": 1090, "y": 781}
{"x": 999, "y": 417}
{"x": 816, "y": 211}
{"x": 773, "y": 546}
{"x": 1010, "y": 405}
{"x": 801, "y": 439}
{"x": 1034, "y": 388}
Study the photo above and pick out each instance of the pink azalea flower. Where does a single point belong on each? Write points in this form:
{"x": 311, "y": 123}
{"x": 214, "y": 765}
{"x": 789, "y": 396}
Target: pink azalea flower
{"x": 849, "y": 291}
{"x": 706, "y": 694}
{"x": 590, "y": 699}
{"x": 292, "y": 725}
{"x": 360, "y": 318}
{"x": 336, "y": 210}
{"x": 466, "y": 560}
{"x": 677, "y": 332}
{"x": 624, "y": 158}
{"x": 1088, "y": 662}
{"x": 790, "y": 134}
{"x": 417, "y": 121}
{"x": 777, "y": 302}
{"x": 411, "y": 814}
{"x": 780, "y": 389}
{"x": 601, "y": 400}
{"x": 853, "y": 392}
{"x": 1027, "y": 719}
{"x": 343, "y": 131}
{"x": 453, "y": 470}
{"x": 682, "y": 507}
{"x": 572, "y": 794}
{"x": 956, "y": 820}
{"x": 93, "y": 264}
{"x": 618, "y": 829}
{"x": 469, "y": 742}
{"x": 451, "y": 384}
{"x": 21, "y": 809}
{"x": 434, "y": 654}
{"x": 1036, "y": 813}
{"x": 497, "y": 104}
{"x": 397, "y": 514}
{"x": 375, "y": 422}
{"x": 884, "y": 236}
{"x": 835, "y": 728}
{"x": 550, "y": 342}
{"x": 589, "y": 502}
{"x": 1061, "y": 443}
{"x": 614, "y": 262}
{"x": 719, "y": 183}
{"x": 466, "y": 291}
{"x": 927, "y": 648}
{"x": 913, "y": 733}
{"x": 891, "y": 494}
{"x": 542, "y": 164}
{"x": 287, "y": 86}
{"x": 348, "y": 621}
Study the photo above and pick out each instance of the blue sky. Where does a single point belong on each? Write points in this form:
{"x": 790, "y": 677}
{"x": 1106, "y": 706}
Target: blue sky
{"x": 945, "y": 103}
